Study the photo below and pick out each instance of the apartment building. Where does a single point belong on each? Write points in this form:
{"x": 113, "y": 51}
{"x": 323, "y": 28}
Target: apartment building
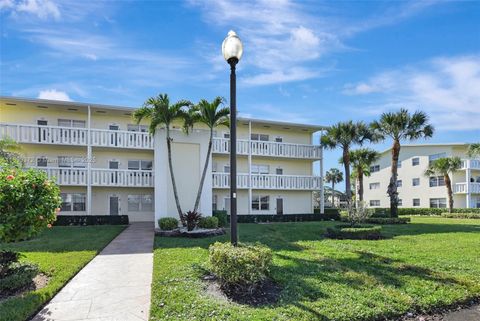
{"x": 105, "y": 164}
{"x": 417, "y": 190}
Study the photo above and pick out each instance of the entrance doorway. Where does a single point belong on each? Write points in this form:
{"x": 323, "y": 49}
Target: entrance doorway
{"x": 114, "y": 206}
{"x": 279, "y": 206}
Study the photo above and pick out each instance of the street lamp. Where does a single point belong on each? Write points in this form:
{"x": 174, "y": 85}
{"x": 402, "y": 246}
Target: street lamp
{"x": 232, "y": 50}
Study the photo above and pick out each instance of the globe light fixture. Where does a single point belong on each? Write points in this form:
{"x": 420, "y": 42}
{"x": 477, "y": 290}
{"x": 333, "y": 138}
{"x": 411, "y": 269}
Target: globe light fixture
{"x": 232, "y": 47}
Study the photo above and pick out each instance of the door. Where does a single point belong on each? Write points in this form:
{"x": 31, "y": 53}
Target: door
{"x": 114, "y": 208}
{"x": 279, "y": 206}
{"x": 114, "y": 173}
{"x": 42, "y": 132}
{"x": 113, "y": 136}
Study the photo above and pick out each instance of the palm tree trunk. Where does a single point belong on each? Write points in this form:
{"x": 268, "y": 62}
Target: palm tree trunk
{"x": 346, "y": 162}
{"x": 392, "y": 186}
{"x": 204, "y": 174}
{"x": 174, "y": 184}
{"x": 448, "y": 183}
{"x": 360, "y": 185}
{"x": 333, "y": 194}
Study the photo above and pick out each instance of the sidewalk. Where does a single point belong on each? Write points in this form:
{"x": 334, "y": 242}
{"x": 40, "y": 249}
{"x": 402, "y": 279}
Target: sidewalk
{"x": 114, "y": 286}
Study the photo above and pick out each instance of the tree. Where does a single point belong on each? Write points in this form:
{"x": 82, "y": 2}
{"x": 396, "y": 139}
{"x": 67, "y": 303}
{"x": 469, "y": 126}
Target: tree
{"x": 473, "y": 150}
{"x": 9, "y": 150}
{"x": 400, "y": 126}
{"x": 361, "y": 159}
{"x": 212, "y": 114}
{"x": 162, "y": 114}
{"x": 344, "y": 135}
{"x": 333, "y": 176}
{"x": 444, "y": 166}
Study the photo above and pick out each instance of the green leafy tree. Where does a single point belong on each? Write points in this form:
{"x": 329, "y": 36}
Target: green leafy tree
{"x": 345, "y": 135}
{"x": 212, "y": 114}
{"x": 400, "y": 126}
{"x": 9, "y": 150}
{"x": 361, "y": 159}
{"x": 444, "y": 166}
{"x": 473, "y": 150}
{"x": 333, "y": 176}
{"x": 161, "y": 115}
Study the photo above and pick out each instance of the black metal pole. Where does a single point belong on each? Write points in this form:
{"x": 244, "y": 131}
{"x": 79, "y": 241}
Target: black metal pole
{"x": 233, "y": 152}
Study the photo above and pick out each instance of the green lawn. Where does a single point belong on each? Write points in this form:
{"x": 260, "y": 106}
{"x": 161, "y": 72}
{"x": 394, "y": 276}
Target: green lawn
{"x": 430, "y": 263}
{"x": 60, "y": 252}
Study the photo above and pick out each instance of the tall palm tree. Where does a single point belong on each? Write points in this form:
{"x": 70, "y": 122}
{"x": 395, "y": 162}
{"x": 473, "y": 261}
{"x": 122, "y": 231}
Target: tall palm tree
{"x": 212, "y": 114}
{"x": 473, "y": 150}
{"x": 333, "y": 176}
{"x": 344, "y": 135}
{"x": 444, "y": 166}
{"x": 162, "y": 114}
{"x": 9, "y": 150}
{"x": 361, "y": 159}
{"x": 399, "y": 126}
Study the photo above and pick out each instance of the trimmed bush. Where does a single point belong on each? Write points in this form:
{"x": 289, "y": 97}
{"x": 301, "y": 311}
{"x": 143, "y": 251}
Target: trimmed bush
{"x": 208, "y": 222}
{"x": 19, "y": 276}
{"x": 388, "y": 220}
{"x": 222, "y": 217}
{"x": 424, "y": 211}
{"x": 29, "y": 203}
{"x": 84, "y": 220}
{"x": 358, "y": 232}
{"x": 462, "y": 215}
{"x": 243, "y": 265}
{"x": 260, "y": 218}
{"x": 168, "y": 223}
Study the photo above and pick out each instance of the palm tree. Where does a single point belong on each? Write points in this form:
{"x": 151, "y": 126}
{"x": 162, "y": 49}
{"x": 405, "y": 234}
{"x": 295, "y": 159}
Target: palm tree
{"x": 344, "y": 135}
{"x": 473, "y": 150}
{"x": 400, "y": 126}
{"x": 162, "y": 114}
{"x": 444, "y": 166}
{"x": 361, "y": 159}
{"x": 9, "y": 150}
{"x": 333, "y": 176}
{"x": 212, "y": 114}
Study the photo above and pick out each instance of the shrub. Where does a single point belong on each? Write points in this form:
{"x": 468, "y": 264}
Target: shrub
{"x": 241, "y": 266}
{"x": 358, "y": 232}
{"x": 388, "y": 220}
{"x": 462, "y": 215}
{"x": 29, "y": 202}
{"x": 191, "y": 218}
{"x": 222, "y": 217}
{"x": 84, "y": 220}
{"x": 168, "y": 223}
{"x": 424, "y": 211}
{"x": 19, "y": 276}
{"x": 208, "y": 222}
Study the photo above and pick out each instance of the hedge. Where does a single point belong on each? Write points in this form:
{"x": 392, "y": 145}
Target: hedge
{"x": 388, "y": 220}
{"x": 461, "y": 215}
{"x": 222, "y": 217}
{"x": 67, "y": 220}
{"x": 261, "y": 218}
{"x": 385, "y": 212}
{"x": 358, "y": 232}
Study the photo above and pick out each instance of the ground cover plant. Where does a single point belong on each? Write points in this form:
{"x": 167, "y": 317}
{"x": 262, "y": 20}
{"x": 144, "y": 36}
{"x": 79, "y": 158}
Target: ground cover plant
{"x": 59, "y": 252}
{"x": 411, "y": 269}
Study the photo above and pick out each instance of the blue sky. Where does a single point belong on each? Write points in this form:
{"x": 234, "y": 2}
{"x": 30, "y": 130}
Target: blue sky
{"x": 307, "y": 61}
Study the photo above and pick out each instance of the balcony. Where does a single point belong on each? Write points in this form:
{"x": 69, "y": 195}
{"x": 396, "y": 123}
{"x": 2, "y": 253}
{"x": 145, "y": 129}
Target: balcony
{"x": 470, "y": 164}
{"x": 461, "y": 188}
{"x": 272, "y": 149}
{"x": 267, "y": 181}
{"x": 100, "y": 177}
{"x": 55, "y": 135}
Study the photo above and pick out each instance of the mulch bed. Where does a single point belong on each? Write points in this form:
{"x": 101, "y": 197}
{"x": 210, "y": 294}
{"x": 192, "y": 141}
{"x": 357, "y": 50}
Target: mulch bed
{"x": 38, "y": 282}
{"x": 441, "y": 313}
{"x": 197, "y": 233}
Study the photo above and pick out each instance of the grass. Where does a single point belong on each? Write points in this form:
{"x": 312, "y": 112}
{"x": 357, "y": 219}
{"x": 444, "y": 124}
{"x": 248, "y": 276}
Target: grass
{"x": 430, "y": 263}
{"x": 60, "y": 252}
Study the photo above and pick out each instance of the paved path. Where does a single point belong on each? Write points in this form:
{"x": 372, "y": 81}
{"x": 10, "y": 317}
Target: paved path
{"x": 470, "y": 314}
{"x": 114, "y": 286}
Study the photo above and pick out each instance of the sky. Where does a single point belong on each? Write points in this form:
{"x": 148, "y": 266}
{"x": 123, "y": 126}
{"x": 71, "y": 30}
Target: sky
{"x": 315, "y": 62}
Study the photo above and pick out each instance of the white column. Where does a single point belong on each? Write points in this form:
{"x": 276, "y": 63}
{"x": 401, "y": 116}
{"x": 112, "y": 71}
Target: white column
{"x": 89, "y": 164}
{"x": 468, "y": 175}
{"x": 322, "y": 195}
{"x": 249, "y": 167}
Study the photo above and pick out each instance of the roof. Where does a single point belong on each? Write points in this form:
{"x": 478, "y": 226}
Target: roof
{"x": 427, "y": 145}
{"x": 60, "y": 103}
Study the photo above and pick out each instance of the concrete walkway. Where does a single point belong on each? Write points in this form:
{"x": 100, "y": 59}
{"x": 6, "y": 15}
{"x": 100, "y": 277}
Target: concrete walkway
{"x": 114, "y": 286}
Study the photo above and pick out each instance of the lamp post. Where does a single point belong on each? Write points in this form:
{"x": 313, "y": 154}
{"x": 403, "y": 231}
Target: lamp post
{"x": 232, "y": 50}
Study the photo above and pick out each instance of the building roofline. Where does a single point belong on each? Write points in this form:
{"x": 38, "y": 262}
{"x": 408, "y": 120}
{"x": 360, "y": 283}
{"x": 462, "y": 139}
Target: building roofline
{"x": 426, "y": 145}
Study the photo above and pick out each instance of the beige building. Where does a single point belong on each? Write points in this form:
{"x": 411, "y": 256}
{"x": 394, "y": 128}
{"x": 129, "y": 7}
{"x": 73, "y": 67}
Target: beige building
{"x": 417, "y": 190}
{"x": 105, "y": 164}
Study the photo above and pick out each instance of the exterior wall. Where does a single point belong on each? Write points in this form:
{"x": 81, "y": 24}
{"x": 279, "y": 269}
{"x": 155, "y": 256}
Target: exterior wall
{"x": 407, "y": 172}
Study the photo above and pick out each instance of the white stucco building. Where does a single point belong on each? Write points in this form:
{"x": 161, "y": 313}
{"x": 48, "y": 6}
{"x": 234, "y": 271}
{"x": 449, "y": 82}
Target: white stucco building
{"x": 105, "y": 164}
{"x": 417, "y": 190}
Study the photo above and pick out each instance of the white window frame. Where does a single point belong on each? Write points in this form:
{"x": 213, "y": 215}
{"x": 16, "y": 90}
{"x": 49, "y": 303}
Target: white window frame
{"x": 374, "y": 203}
{"x": 260, "y": 202}
{"x": 259, "y": 137}
{"x": 375, "y": 185}
{"x": 137, "y": 128}
{"x": 415, "y": 161}
{"x": 416, "y": 179}
{"x": 260, "y": 169}
{"x": 72, "y": 201}
{"x": 73, "y": 123}
{"x": 374, "y": 168}
{"x": 440, "y": 202}
{"x": 72, "y": 162}
{"x": 140, "y": 166}
{"x": 142, "y": 200}
{"x": 413, "y": 202}
{"x": 436, "y": 181}
{"x": 399, "y": 183}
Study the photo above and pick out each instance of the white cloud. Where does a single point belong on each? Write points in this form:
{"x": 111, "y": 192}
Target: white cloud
{"x": 42, "y": 9}
{"x": 447, "y": 88}
{"x": 6, "y": 4}
{"x": 53, "y": 94}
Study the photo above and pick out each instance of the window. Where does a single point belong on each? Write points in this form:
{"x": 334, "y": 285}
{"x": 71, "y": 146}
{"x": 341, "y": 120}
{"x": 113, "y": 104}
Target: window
{"x": 140, "y": 203}
{"x": 400, "y": 202}
{"x": 42, "y": 161}
{"x": 226, "y": 135}
{"x": 374, "y": 168}
{"x": 73, "y": 202}
{"x": 399, "y": 183}
{"x": 144, "y": 165}
{"x": 279, "y": 171}
{"x": 416, "y": 182}
{"x": 415, "y": 161}
{"x": 226, "y": 169}
{"x": 278, "y": 139}
{"x": 260, "y": 202}
{"x": 374, "y": 202}
{"x": 438, "y": 202}
{"x": 71, "y": 123}
{"x": 437, "y": 181}
{"x": 137, "y": 128}
{"x": 214, "y": 202}
{"x": 261, "y": 137}
{"x": 71, "y": 161}
{"x": 416, "y": 202}
{"x": 260, "y": 169}
{"x": 374, "y": 185}
{"x": 434, "y": 157}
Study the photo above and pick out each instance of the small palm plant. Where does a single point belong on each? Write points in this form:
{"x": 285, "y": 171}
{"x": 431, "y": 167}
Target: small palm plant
{"x": 162, "y": 114}
{"x": 444, "y": 166}
{"x": 333, "y": 176}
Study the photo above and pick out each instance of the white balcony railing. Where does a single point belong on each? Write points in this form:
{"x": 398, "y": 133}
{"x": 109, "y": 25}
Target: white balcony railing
{"x": 470, "y": 164}
{"x": 66, "y": 176}
{"x": 461, "y": 188}
{"x": 37, "y": 134}
{"x": 263, "y": 148}
{"x": 267, "y": 181}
